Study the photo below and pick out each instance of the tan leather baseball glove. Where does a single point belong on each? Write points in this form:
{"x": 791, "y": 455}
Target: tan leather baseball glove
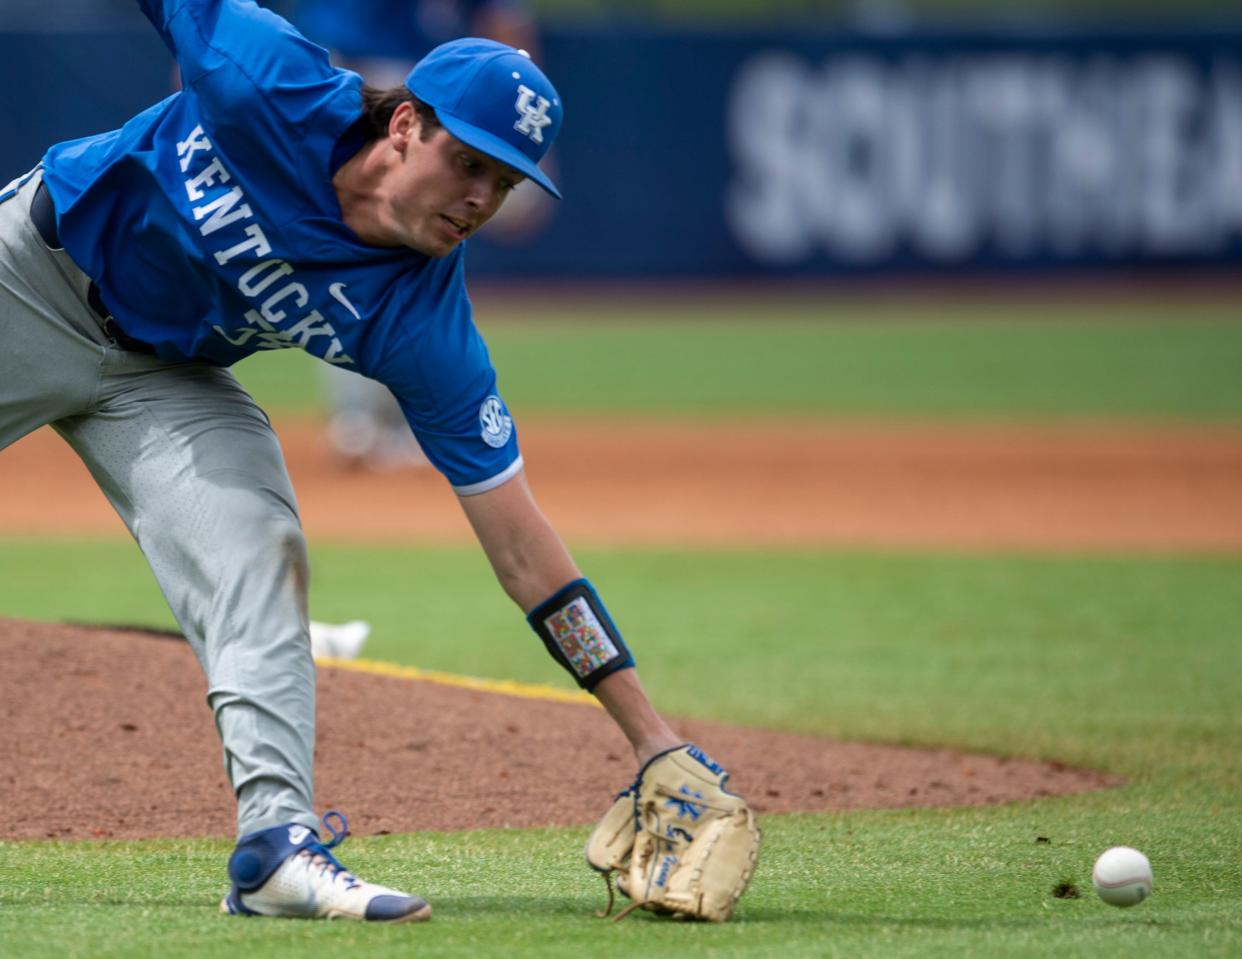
{"x": 678, "y": 840}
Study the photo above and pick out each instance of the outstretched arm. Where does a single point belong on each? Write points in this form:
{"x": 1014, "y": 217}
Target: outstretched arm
{"x": 532, "y": 564}
{"x": 236, "y": 36}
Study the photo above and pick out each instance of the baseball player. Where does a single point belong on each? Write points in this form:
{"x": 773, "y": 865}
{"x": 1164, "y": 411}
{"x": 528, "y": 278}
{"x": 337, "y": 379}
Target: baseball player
{"x": 381, "y": 39}
{"x": 277, "y": 203}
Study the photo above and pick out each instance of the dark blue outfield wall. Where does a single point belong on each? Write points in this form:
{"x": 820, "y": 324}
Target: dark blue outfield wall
{"x": 690, "y": 155}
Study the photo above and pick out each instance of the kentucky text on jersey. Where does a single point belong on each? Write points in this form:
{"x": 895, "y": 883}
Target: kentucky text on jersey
{"x": 225, "y": 209}
{"x": 212, "y": 229}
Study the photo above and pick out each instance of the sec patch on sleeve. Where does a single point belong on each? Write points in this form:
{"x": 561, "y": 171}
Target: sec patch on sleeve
{"x": 495, "y": 422}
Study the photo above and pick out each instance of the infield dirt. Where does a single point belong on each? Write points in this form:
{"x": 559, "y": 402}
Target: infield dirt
{"x": 745, "y": 483}
{"x": 110, "y": 736}
{"x": 108, "y": 733}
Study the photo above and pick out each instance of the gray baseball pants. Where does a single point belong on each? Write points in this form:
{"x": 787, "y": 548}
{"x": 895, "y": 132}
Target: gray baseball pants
{"x": 193, "y": 468}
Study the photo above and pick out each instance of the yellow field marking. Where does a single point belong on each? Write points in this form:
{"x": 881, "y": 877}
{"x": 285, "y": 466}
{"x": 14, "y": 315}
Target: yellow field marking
{"x": 507, "y": 687}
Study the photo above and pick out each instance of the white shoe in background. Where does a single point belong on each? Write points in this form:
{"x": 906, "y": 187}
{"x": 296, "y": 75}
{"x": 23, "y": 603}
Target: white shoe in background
{"x": 345, "y": 641}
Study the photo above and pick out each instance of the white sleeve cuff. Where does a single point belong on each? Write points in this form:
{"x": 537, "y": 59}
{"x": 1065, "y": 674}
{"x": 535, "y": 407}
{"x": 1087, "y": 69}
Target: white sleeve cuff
{"x": 474, "y": 489}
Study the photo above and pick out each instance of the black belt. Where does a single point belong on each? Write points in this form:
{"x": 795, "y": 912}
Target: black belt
{"x": 43, "y": 216}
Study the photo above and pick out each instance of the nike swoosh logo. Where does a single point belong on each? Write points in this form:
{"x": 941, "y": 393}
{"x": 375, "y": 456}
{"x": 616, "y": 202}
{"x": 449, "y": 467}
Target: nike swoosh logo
{"x": 336, "y": 292}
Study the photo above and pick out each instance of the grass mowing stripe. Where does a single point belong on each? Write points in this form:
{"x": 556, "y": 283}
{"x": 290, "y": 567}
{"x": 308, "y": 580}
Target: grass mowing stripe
{"x": 883, "y": 366}
{"x": 1120, "y": 361}
{"x": 961, "y": 882}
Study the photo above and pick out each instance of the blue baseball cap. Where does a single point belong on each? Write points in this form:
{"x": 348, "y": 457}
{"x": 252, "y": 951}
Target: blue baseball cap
{"x": 493, "y": 98}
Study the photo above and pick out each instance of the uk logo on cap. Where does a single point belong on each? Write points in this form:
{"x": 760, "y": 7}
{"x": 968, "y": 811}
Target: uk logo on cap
{"x": 493, "y": 98}
{"x": 533, "y": 118}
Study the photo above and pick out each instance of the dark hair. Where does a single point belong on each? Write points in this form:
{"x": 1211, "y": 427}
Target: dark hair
{"x": 378, "y": 106}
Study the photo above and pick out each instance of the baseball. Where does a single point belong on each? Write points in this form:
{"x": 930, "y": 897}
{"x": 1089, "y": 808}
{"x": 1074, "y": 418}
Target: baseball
{"x": 1122, "y": 876}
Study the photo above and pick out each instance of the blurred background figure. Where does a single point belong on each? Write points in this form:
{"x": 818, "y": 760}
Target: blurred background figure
{"x": 382, "y": 40}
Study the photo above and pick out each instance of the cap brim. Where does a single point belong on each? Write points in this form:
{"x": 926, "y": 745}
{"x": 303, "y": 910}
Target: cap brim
{"x": 497, "y": 149}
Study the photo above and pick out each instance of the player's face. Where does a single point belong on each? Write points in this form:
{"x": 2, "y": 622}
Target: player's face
{"x": 442, "y": 191}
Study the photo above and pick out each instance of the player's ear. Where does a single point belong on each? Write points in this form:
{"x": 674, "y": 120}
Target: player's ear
{"x": 403, "y": 125}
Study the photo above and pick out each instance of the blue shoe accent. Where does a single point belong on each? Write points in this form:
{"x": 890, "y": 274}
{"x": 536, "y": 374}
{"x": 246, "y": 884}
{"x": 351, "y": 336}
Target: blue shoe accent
{"x": 234, "y": 906}
{"x": 393, "y": 908}
{"x": 259, "y": 854}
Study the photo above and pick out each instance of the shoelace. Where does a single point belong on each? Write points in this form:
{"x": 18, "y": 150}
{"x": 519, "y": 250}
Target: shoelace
{"x": 320, "y": 856}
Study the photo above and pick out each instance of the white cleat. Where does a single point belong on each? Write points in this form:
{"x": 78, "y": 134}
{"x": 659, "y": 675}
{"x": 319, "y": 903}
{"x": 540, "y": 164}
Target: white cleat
{"x": 285, "y": 871}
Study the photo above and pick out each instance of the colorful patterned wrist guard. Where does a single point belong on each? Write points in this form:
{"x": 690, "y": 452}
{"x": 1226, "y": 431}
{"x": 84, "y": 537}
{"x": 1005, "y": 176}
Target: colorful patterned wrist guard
{"x": 580, "y": 634}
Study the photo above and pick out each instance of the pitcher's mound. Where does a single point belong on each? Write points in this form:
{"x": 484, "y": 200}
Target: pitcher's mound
{"x": 107, "y": 734}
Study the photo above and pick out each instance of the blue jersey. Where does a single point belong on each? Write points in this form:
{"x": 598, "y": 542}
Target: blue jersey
{"x": 211, "y": 226}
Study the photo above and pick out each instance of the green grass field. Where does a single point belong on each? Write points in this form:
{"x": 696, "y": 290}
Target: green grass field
{"x": 1129, "y": 664}
{"x": 807, "y": 358}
